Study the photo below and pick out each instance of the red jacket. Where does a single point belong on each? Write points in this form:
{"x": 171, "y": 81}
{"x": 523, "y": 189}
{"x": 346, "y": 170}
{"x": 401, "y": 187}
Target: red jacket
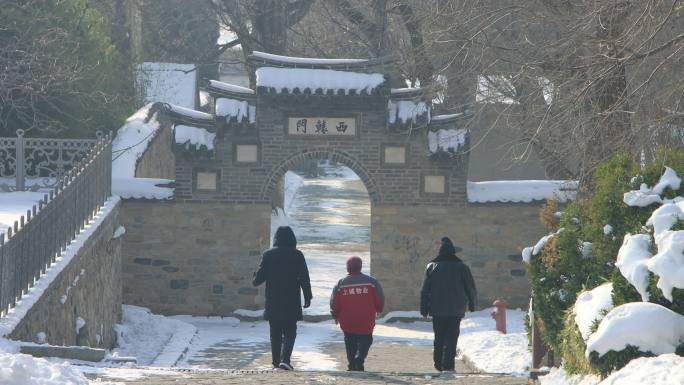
{"x": 355, "y": 301}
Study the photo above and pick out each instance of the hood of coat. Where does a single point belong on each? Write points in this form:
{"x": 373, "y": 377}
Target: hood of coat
{"x": 284, "y": 237}
{"x": 447, "y": 251}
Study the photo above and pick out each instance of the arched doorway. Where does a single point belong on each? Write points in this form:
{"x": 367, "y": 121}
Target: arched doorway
{"x": 329, "y": 208}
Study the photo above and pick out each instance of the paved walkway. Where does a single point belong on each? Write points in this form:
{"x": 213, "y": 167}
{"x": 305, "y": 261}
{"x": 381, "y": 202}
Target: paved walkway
{"x": 387, "y": 364}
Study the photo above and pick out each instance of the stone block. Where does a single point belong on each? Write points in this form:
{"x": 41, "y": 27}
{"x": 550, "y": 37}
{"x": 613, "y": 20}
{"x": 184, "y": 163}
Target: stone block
{"x": 518, "y": 272}
{"x": 69, "y": 352}
{"x": 179, "y": 284}
{"x": 142, "y": 261}
{"x": 248, "y": 290}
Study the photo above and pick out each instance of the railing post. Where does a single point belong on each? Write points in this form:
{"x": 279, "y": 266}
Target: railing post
{"x": 20, "y": 170}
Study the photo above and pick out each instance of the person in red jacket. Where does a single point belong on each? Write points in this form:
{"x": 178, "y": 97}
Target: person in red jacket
{"x": 355, "y": 302}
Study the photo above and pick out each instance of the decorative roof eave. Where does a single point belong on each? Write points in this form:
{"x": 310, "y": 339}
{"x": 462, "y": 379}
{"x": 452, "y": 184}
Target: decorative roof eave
{"x": 457, "y": 155}
{"x": 444, "y": 120}
{"x": 414, "y": 94}
{"x": 225, "y": 90}
{"x": 381, "y": 90}
{"x": 421, "y": 121}
{"x": 193, "y": 150}
{"x": 185, "y": 116}
{"x": 196, "y": 148}
{"x": 262, "y": 59}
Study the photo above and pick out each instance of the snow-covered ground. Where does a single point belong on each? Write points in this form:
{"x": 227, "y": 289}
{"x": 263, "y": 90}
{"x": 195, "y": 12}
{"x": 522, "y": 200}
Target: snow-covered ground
{"x": 666, "y": 369}
{"x": 230, "y": 343}
{"x": 14, "y": 204}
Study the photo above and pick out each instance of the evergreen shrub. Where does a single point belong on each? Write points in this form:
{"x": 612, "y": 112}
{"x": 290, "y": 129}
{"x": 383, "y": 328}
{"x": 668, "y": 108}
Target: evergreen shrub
{"x": 560, "y": 272}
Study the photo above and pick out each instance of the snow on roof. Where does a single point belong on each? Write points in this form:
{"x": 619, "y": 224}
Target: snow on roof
{"x": 589, "y": 306}
{"x": 131, "y": 141}
{"x": 188, "y": 136}
{"x": 190, "y": 112}
{"x": 230, "y": 87}
{"x": 238, "y": 110}
{"x": 407, "y": 111}
{"x": 304, "y": 60}
{"x": 447, "y": 140}
{"x": 168, "y": 82}
{"x": 395, "y": 91}
{"x": 289, "y": 79}
{"x": 142, "y": 188}
{"x": 648, "y": 326}
{"x": 521, "y": 190}
{"x": 631, "y": 261}
{"x": 439, "y": 118}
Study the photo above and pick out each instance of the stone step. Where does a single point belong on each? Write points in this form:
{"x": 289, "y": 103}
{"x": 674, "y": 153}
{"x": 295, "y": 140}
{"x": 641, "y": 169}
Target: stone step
{"x": 82, "y": 353}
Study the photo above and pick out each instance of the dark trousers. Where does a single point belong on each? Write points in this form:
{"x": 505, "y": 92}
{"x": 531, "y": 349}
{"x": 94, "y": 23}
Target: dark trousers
{"x": 357, "y": 346}
{"x": 446, "y": 331}
{"x": 283, "y": 335}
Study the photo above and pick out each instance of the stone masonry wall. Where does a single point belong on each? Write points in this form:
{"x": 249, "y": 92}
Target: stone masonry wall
{"x": 405, "y": 239}
{"x": 158, "y": 161}
{"x": 92, "y": 285}
{"x": 193, "y": 257}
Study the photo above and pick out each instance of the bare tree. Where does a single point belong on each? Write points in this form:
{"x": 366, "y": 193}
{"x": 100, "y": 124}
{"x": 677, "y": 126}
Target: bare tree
{"x": 260, "y": 25}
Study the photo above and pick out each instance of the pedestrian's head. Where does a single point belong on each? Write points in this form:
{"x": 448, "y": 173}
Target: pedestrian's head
{"x": 354, "y": 265}
{"x": 447, "y": 248}
{"x": 284, "y": 237}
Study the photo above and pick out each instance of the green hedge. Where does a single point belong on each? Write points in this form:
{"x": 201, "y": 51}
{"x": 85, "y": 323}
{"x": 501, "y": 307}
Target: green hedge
{"x": 560, "y": 272}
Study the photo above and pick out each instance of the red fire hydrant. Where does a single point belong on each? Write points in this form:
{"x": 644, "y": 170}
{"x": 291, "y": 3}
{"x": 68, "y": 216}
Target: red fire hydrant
{"x": 499, "y": 314}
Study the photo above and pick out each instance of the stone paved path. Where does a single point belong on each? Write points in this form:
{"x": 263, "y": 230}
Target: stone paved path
{"x": 387, "y": 364}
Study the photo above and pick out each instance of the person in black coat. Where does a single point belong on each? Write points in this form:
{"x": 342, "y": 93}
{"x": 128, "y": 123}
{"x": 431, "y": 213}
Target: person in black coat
{"x": 447, "y": 290}
{"x": 284, "y": 270}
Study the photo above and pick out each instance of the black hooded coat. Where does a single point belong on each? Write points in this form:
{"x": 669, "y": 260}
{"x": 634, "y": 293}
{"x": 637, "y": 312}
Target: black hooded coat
{"x": 449, "y": 287}
{"x": 284, "y": 270}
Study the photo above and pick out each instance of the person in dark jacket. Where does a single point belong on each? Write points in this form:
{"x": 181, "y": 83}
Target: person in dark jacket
{"x": 354, "y": 303}
{"x": 447, "y": 290}
{"x": 284, "y": 270}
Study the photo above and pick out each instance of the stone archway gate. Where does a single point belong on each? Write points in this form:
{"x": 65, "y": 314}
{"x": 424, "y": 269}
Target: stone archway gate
{"x": 229, "y": 163}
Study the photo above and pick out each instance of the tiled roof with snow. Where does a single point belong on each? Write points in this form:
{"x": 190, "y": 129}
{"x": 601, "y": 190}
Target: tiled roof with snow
{"x": 449, "y": 118}
{"x": 142, "y": 188}
{"x": 318, "y": 81}
{"x": 131, "y": 141}
{"x": 227, "y": 87}
{"x": 407, "y": 108}
{"x": 185, "y": 116}
{"x": 236, "y": 111}
{"x": 521, "y": 191}
{"x": 194, "y": 139}
{"x": 303, "y": 60}
{"x": 448, "y": 140}
{"x": 448, "y": 135}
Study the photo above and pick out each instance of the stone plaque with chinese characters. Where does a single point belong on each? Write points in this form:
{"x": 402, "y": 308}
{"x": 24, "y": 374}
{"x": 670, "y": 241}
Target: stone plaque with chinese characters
{"x": 321, "y": 126}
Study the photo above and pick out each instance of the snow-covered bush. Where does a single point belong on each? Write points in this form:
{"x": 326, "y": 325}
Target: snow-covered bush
{"x": 561, "y": 271}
